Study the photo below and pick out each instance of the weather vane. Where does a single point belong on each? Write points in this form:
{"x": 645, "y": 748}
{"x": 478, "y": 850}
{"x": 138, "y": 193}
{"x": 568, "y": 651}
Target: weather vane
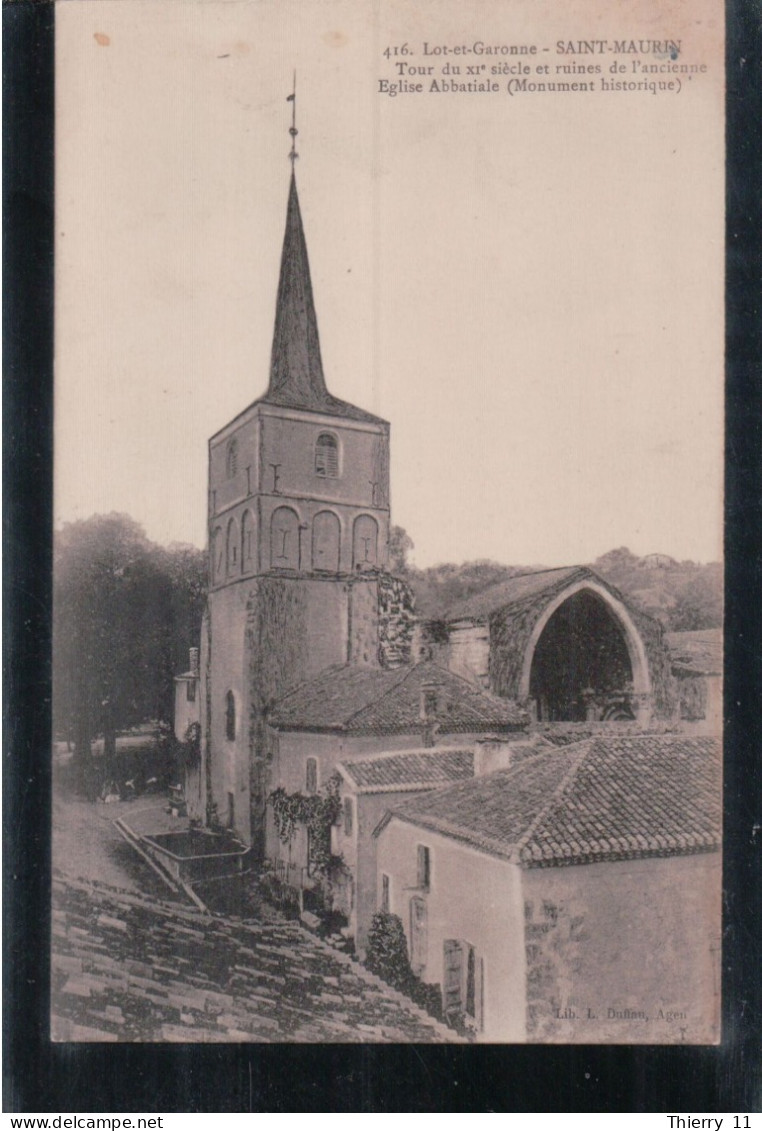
{"x": 293, "y": 131}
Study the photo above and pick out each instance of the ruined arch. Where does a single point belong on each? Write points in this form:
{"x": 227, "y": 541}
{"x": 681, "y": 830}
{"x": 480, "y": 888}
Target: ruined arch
{"x": 584, "y": 640}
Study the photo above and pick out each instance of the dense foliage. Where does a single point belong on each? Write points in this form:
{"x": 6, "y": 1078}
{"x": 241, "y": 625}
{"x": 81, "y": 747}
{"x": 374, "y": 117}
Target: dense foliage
{"x": 125, "y": 612}
{"x": 386, "y": 955}
{"x": 317, "y": 812}
{"x": 682, "y": 595}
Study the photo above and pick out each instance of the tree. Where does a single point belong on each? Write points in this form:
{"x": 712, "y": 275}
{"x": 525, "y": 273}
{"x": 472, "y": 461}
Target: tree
{"x": 698, "y": 603}
{"x": 400, "y": 545}
{"x": 123, "y": 610}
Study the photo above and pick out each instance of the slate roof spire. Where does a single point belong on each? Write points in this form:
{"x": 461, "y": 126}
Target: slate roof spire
{"x": 296, "y": 367}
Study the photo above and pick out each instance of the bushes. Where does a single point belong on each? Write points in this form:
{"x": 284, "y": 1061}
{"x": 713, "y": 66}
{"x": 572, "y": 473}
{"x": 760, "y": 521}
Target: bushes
{"x": 386, "y": 955}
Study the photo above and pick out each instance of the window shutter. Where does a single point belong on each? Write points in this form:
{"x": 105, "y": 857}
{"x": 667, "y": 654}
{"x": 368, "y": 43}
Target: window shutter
{"x": 327, "y": 456}
{"x": 452, "y": 991}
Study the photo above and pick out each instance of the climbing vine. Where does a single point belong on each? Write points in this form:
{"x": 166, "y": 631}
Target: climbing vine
{"x": 317, "y": 812}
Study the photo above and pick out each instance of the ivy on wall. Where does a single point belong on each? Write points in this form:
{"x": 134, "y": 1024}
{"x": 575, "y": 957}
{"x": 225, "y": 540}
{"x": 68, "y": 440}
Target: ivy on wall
{"x": 317, "y": 812}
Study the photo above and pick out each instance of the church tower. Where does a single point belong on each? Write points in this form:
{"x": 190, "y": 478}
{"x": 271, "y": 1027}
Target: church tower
{"x": 299, "y": 481}
{"x": 298, "y": 544}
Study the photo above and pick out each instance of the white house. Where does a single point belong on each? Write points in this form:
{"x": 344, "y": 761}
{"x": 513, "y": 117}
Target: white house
{"x": 574, "y": 897}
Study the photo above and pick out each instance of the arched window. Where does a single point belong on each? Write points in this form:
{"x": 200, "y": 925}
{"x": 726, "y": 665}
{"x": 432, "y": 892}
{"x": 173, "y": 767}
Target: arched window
{"x": 232, "y": 547}
{"x": 326, "y": 534}
{"x": 247, "y": 542}
{"x": 231, "y": 463}
{"x": 230, "y": 716}
{"x": 327, "y": 456}
{"x": 218, "y": 555}
{"x": 284, "y": 539}
{"x": 365, "y": 542}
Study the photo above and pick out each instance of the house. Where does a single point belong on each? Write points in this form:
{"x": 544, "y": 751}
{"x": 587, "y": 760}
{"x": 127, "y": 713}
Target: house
{"x": 187, "y": 699}
{"x": 574, "y": 897}
{"x": 697, "y": 669}
{"x": 369, "y": 785}
{"x": 565, "y": 642}
{"x": 349, "y": 714}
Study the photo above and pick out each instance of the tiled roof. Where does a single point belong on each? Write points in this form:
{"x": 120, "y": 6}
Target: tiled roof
{"x": 375, "y": 701}
{"x": 603, "y": 799}
{"x": 699, "y": 652}
{"x": 513, "y": 590}
{"x": 410, "y": 769}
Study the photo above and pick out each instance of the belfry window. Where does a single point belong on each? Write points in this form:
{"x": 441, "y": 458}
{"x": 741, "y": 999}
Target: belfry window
{"x": 232, "y": 459}
{"x": 327, "y": 456}
{"x": 230, "y": 716}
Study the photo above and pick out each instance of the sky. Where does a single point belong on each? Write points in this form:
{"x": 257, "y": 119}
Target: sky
{"x": 528, "y": 287}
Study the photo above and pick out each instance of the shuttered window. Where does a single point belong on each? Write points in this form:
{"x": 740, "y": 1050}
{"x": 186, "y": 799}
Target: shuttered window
{"x": 311, "y": 775}
{"x": 327, "y": 456}
{"x": 452, "y": 992}
{"x": 384, "y": 892}
{"x": 348, "y": 816}
{"x": 463, "y": 982}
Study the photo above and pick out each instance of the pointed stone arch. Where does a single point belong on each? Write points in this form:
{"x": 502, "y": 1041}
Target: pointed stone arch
{"x": 641, "y": 678}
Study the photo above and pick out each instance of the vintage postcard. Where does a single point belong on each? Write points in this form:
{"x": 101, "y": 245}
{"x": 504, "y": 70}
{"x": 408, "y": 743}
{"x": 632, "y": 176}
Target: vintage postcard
{"x": 388, "y": 502}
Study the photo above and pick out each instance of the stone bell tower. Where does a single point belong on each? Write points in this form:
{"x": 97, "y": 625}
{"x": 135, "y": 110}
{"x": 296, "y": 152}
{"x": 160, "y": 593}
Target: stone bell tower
{"x": 298, "y": 545}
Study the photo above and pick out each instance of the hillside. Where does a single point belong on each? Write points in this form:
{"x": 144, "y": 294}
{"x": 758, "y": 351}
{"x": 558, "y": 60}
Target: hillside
{"x": 684, "y": 596}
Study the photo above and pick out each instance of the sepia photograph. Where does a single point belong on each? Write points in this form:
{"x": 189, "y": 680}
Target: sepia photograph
{"x": 388, "y": 518}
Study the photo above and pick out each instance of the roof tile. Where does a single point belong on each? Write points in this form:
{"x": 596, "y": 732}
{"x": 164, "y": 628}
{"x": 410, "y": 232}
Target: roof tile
{"x": 377, "y": 701}
{"x": 612, "y": 797}
{"x": 425, "y": 768}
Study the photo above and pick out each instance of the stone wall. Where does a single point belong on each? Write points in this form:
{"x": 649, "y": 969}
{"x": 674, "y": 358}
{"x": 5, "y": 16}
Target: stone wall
{"x": 396, "y": 621}
{"x": 624, "y": 951}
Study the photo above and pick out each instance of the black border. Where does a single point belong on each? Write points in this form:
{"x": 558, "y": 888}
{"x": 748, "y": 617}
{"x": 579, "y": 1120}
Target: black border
{"x": 43, "y": 1077}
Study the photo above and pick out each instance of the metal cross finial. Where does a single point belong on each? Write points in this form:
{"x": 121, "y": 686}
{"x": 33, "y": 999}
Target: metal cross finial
{"x": 293, "y": 131}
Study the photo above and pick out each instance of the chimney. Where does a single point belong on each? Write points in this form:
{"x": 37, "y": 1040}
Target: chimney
{"x": 194, "y": 661}
{"x": 491, "y": 753}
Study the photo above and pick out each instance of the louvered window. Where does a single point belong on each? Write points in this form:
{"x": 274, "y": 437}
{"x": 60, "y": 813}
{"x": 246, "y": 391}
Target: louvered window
{"x": 327, "y": 456}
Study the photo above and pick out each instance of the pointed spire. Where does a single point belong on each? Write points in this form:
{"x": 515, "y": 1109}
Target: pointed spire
{"x": 296, "y": 368}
